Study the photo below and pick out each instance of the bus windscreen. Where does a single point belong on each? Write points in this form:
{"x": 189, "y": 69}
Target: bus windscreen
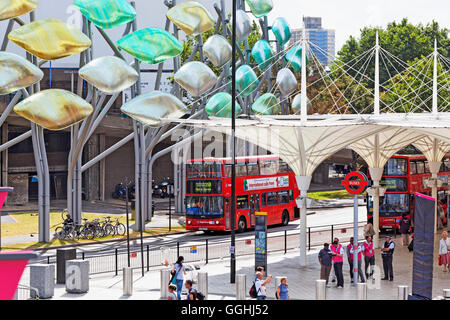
{"x": 204, "y": 206}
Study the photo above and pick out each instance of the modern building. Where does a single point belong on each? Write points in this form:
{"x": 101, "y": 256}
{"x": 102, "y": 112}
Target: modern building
{"x": 324, "y": 40}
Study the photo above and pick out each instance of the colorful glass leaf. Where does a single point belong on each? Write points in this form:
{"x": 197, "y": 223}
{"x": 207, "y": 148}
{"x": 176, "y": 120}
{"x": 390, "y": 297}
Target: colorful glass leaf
{"x": 109, "y": 74}
{"x": 297, "y": 104}
{"x": 219, "y": 105}
{"x": 218, "y": 50}
{"x": 262, "y": 53}
{"x": 106, "y": 14}
{"x": 294, "y": 58}
{"x": 246, "y": 80}
{"x": 286, "y": 81}
{"x": 17, "y": 73}
{"x": 260, "y": 8}
{"x": 196, "y": 78}
{"x": 54, "y": 109}
{"x": 266, "y": 105}
{"x": 149, "y": 108}
{"x": 281, "y": 30}
{"x": 50, "y": 39}
{"x": 151, "y": 45}
{"x": 14, "y": 8}
{"x": 243, "y": 25}
{"x": 191, "y": 17}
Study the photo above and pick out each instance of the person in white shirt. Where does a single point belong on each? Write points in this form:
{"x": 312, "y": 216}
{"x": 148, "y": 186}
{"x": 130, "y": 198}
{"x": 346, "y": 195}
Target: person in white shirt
{"x": 260, "y": 285}
{"x": 444, "y": 251}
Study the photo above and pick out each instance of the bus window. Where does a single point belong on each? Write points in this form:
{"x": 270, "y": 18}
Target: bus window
{"x": 396, "y": 166}
{"x": 394, "y": 204}
{"x": 194, "y": 170}
{"x": 272, "y": 199}
{"x": 291, "y": 195}
{"x": 242, "y": 202}
{"x": 420, "y": 167}
{"x": 447, "y": 164}
{"x": 204, "y": 205}
{"x": 413, "y": 167}
{"x": 427, "y": 167}
{"x": 269, "y": 167}
{"x": 241, "y": 169}
{"x": 253, "y": 169}
{"x": 213, "y": 170}
{"x": 263, "y": 200}
{"x": 283, "y": 197}
{"x": 283, "y": 167}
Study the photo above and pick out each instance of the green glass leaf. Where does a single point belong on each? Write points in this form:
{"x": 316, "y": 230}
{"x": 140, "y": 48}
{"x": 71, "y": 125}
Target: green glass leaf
{"x": 266, "y": 105}
{"x": 219, "y": 105}
{"x": 263, "y": 55}
{"x": 191, "y": 17}
{"x": 151, "y": 45}
{"x": 246, "y": 80}
{"x": 260, "y": 8}
{"x": 294, "y": 57}
{"x": 281, "y": 30}
{"x": 106, "y": 14}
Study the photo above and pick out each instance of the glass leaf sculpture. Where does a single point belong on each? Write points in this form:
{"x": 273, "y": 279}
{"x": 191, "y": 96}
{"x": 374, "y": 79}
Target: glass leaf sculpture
{"x": 260, "y": 8}
{"x": 151, "y": 45}
{"x": 218, "y": 50}
{"x": 17, "y": 73}
{"x": 297, "y": 104}
{"x": 262, "y": 53}
{"x": 149, "y": 108}
{"x": 281, "y": 30}
{"x": 109, "y": 74}
{"x": 243, "y": 25}
{"x": 50, "y": 39}
{"x": 191, "y": 17}
{"x": 286, "y": 81}
{"x": 54, "y": 109}
{"x": 266, "y": 105}
{"x": 246, "y": 80}
{"x": 219, "y": 105}
{"x": 294, "y": 58}
{"x": 14, "y": 8}
{"x": 196, "y": 78}
{"x": 106, "y": 14}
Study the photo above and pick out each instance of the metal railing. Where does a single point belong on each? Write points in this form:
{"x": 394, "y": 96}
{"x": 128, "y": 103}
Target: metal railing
{"x": 202, "y": 251}
{"x": 24, "y": 293}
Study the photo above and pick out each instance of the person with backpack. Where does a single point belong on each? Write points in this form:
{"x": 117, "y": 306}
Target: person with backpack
{"x": 258, "y": 289}
{"x": 178, "y": 273}
{"x": 282, "y": 292}
{"x": 404, "y": 226}
{"x": 193, "y": 294}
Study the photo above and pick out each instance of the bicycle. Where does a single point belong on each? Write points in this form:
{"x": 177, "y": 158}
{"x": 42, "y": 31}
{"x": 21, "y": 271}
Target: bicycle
{"x": 80, "y": 231}
{"x": 108, "y": 228}
{"x": 119, "y": 228}
{"x": 64, "y": 232}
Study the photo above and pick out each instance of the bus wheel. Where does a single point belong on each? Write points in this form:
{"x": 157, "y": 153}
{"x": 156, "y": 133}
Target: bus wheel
{"x": 285, "y": 218}
{"x": 242, "y": 225}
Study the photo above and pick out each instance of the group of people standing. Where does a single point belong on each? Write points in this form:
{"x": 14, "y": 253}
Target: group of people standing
{"x": 334, "y": 257}
{"x": 176, "y": 283}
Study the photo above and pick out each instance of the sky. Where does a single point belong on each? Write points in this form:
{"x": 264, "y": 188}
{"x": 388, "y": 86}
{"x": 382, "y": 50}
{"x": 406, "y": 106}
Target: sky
{"x": 347, "y": 17}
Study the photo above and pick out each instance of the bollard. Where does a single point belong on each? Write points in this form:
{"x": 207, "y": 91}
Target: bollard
{"x": 77, "y": 276}
{"x": 127, "y": 281}
{"x": 320, "y": 290}
{"x": 42, "y": 277}
{"x": 361, "y": 291}
{"x": 241, "y": 287}
{"x": 446, "y": 294}
{"x": 165, "y": 278}
{"x": 203, "y": 283}
{"x": 403, "y": 292}
{"x": 63, "y": 255}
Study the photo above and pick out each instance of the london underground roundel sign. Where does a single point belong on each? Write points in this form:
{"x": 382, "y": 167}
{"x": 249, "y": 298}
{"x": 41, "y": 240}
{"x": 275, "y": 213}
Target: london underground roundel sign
{"x": 355, "y": 182}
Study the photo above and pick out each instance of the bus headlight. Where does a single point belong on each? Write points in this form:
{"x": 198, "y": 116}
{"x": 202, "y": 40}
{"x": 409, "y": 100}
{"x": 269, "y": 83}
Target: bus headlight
{"x": 217, "y": 222}
{"x": 189, "y": 221}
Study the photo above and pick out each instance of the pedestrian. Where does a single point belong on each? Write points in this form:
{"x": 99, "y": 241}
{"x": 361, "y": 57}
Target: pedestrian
{"x": 191, "y": 292}
{"x": 404, "y": 226}
{"x": 178, "y": 273}
{"x": 338, "y": 260}
{"x": 441, "y": 215}
{"x": 369, "y": 257}
{"x": 325, "y": 258}
{"x": 260, "y": 285}
{"x": 387, "y": 253}
{"x": 282, "y": 290}
{"x": 444, "y": 251}
{"x": 172, "y": 295}
{"x": 368, "y": 228}
{"x": 350, "y": 255}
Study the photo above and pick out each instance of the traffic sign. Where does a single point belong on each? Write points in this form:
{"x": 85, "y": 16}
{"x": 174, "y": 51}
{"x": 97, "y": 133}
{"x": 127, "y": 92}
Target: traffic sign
{"x": 355, "y": 182}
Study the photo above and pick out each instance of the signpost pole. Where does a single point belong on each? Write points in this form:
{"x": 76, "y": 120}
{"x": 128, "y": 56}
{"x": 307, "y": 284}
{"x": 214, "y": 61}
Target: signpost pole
{"x": 355, "y": 240}
{"x": 128, "y": 226}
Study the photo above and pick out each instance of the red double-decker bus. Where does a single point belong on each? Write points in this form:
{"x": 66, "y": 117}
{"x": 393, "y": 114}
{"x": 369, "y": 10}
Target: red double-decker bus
{"x": 263, "y": 183}
{"x": 403, "y": 176}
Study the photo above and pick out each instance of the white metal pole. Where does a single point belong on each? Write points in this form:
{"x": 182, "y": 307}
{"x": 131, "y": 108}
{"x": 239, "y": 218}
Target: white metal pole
{"x": 376, "y": 110}
{"x": 303, "y": 183}
{"x": 304, "y": 107}
{"x": 435, "y": 102}
{"x": 355, "y": 240}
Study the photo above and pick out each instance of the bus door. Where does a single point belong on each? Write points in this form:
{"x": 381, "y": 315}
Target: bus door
{"x": 254, "y": 207}
{"x": 227, "y": 210}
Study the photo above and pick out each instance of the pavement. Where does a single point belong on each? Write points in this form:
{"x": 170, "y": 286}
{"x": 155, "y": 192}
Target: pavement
{"x": 301, "y": 280}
